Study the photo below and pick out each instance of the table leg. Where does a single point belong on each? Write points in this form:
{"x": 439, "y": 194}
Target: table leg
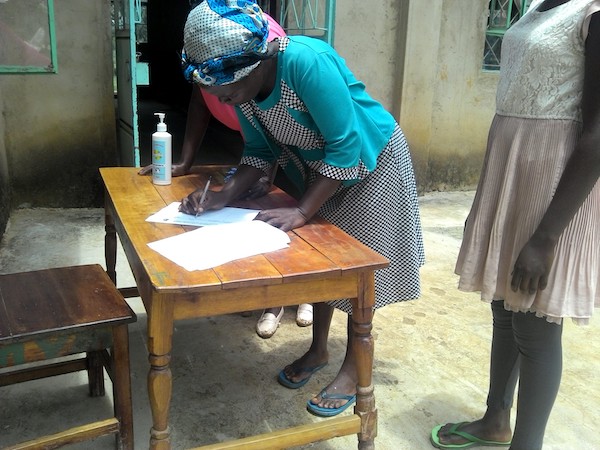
{"x": 160, "y": 340}
{"x": 362, "y": 323}
{"x": 110, "y": 243}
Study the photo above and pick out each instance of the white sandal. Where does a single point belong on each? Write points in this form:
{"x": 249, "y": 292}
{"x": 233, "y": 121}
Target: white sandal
{"x": 304, "y": 315}
{"x": 268, "y": 323}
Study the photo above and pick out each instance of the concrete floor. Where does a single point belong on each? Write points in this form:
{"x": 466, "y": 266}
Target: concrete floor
{"x": 431, "y": 355}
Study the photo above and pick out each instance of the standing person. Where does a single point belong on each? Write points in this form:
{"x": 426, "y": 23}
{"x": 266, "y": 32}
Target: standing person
{"x": 301, "y": 107}
{"x": 201, "y": 108}
{"x": 532, "y": 239}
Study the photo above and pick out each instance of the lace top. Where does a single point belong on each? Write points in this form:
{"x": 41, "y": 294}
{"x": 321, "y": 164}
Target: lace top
{"x": 542, "y": 68}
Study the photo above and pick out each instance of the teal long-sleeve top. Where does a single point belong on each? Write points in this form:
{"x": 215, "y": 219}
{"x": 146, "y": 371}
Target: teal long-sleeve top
{"x": 318, "y": 117}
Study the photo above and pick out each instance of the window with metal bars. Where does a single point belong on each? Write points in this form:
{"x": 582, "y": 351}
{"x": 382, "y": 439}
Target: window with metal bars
{"x": 314, "y": 18}
{"x": 27, "y": 37}
{"x": 309, "y": 17}
{"x": 502, "y": 15}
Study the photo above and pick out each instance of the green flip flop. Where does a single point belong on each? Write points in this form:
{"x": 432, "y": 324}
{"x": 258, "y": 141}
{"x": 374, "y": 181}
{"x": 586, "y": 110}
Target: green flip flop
{"x": 472, "y": 441}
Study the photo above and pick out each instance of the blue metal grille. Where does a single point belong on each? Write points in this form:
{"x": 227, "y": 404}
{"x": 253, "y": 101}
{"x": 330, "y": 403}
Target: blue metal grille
{"x": 314, "y": 18}
{"x": 502, "y": 15}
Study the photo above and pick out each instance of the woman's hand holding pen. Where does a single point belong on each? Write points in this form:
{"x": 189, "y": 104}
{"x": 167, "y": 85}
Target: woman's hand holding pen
{"x": 194, "y": 205}
{"x": 202, "y": 200}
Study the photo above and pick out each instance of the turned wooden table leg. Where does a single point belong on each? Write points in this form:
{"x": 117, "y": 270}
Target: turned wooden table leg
{"x": 160, "y": 383}
{"x": 362, "y": 318}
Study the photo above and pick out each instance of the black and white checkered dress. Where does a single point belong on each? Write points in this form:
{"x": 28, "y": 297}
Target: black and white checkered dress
{"x": 378, "y": 207}
{"x": 381, "y": 211}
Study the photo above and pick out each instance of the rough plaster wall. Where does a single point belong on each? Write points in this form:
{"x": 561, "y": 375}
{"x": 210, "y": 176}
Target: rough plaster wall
{"x": 4, "y": 187}
{"x": 60, "y": 127}
{"x": 464, "y": 98}
{"x": 447, "y": 101}
{"x": 366, "y": 37}
{"x": 422, "y": 47}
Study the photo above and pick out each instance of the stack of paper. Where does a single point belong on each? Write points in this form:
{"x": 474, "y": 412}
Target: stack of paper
{"x": 214, "y": 245}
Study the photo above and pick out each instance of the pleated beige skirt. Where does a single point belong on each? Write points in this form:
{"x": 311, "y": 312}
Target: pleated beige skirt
{"x": 523, "y": 165}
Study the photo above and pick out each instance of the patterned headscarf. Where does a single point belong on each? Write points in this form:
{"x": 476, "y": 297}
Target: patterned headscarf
{"x": 223, "y": 41}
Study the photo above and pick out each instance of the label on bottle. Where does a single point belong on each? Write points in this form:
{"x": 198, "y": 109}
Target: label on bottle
{"x": 161, "y": 170}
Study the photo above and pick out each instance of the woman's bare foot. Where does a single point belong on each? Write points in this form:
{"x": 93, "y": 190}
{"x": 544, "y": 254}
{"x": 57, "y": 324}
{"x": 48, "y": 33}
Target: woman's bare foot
{"x": 343, "y": 385}
{"x": 304, "y": 367}
{"x": 483, "y": 429}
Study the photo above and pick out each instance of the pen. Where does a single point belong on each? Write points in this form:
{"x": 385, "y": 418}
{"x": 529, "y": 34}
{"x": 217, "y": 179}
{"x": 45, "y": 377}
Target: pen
{"x": 204, "y": 192}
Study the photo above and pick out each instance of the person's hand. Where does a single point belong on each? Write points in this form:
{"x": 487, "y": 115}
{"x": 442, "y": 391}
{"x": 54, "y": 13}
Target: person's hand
{"x": 192, "y": 203}
{"x": 147, "y": 170}
{"x": 285, "y": 219}
{"x": 177, "y": 170}
{"x": 532, "y": 267}
{"x": 258, "y": 189}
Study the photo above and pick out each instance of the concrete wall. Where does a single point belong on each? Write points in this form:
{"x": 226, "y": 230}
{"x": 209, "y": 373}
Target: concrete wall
{"x": 59, "y": 128}
{"x": 422, "y": 60}
{"x": 4, "y": 181}
{"x": 366, "y": 36}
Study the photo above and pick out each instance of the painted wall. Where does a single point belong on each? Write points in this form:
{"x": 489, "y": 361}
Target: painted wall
{"x": 367, "y": 38}
{"x": 422, "y": 60}
{"x": 4, "y": 181}
{"x": 59, "y": 128}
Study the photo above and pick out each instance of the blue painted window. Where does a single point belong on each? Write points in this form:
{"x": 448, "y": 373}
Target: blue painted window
{"x": 502, "y": 15}
{"x": 314, "y": 18}
{"x": 27, "y": 36}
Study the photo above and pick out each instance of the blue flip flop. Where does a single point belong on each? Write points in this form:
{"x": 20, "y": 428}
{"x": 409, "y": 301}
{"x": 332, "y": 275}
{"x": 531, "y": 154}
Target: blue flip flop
{"x": 285, "y": 381}
{"x": 472, "y": 441}
{"x": 329, "y": 412}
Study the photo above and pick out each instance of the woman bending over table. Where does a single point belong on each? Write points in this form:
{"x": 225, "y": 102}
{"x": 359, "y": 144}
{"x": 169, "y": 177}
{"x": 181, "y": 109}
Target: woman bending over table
{"x": 301, "y": 107}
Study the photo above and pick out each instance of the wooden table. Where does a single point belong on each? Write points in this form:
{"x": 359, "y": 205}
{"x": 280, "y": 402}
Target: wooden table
{"x": 322, "y": 263}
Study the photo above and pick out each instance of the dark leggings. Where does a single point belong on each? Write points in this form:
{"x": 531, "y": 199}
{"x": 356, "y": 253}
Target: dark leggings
{"x": 527, "y": 348}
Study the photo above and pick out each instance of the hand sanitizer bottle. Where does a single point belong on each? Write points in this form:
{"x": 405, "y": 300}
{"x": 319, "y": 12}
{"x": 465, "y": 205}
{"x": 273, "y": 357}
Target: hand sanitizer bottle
{"x": 161, "y": 153}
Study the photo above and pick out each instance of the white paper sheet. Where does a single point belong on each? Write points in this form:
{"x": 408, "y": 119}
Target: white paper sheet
{"x": 171, "y": 214}
{"x": 214, "y": 245}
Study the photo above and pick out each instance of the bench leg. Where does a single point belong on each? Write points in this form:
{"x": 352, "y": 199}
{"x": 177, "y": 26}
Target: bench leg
{"x": 110, "y": 243}
{"x": 95, "y": 371}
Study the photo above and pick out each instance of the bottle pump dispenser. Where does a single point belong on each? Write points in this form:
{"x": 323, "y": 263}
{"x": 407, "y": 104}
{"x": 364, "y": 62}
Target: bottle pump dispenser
{"x": 161, "y": 153}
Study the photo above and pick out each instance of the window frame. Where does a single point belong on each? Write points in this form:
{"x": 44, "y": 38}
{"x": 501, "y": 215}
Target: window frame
{"x": 510, "y": 11}
{"x": 52, "y": 67}
{"x": 314, "y": 18}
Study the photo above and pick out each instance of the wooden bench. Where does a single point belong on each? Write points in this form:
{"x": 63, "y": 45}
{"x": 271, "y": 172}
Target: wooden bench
{"x": 51, "y": 314}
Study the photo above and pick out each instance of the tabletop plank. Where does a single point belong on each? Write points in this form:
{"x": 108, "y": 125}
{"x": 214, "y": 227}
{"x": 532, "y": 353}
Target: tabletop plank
{"x": 342, "y": 249}
{"x": 250, "y": 271}
{"x": 301, "y": 261}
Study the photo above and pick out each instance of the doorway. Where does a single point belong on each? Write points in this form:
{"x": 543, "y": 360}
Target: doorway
{"x": 149, "y": 38}
{"x": 148, "y": 42}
